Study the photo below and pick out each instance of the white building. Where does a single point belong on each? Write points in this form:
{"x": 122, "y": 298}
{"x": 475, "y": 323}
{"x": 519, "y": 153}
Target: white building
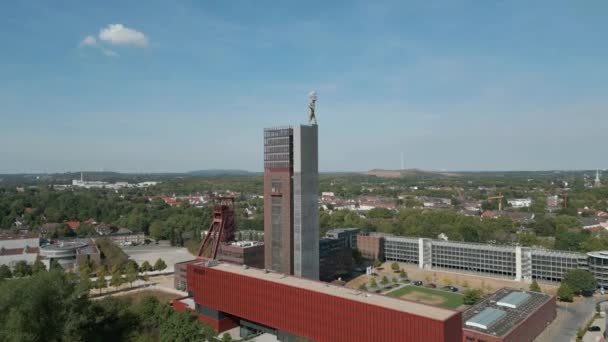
{"x": 520, "y": 202}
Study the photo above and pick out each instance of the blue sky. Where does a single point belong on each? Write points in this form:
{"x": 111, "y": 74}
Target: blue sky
{"x": 186, "y": 85}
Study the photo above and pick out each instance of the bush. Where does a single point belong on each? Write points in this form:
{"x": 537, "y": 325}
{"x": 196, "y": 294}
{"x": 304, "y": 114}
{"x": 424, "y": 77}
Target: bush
{"x": 395, "y": 267}
{"x": 471, "y": 296}
{"x": 565, "y": 293}
{"x": 534, "y": 287}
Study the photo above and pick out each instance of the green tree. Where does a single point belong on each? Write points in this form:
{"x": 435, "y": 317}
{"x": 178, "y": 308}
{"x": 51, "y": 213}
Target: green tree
{"x": 363, "y": 287}
{"x": 357, "y": 256}
{"x": 372, "y": 283}
{"x": 226, "y": 338}
{"x": 395, "y": 267}
{"x": 38, "y": 267}
{"x": 471, "y": 296}
{"x": 384, "y": 280}
{"x": 131, "y": 273}
{"x": 55, "y": 265}
{"x": 183, "y": 326}
{"x": 395, "y": 280}
{"x": 159, "y": 265}
{"x": 565, "y": 293}
{"x": 101, "y": 282}
{"x": 116, "y": 280}
{"x": 22, "y": 269}
{"x": 534, "y": 287}
{"x": 5, "y": 272}
{"x": 146, "y": 267}
{"x": 377, "y": 263}
{"x": 580, "y": 281}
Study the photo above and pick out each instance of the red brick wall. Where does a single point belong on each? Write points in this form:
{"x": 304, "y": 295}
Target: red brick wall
{"x": 317, "y": 316}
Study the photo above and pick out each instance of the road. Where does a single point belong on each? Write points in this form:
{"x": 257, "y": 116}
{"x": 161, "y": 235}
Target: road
{"x": 570, "y": 316}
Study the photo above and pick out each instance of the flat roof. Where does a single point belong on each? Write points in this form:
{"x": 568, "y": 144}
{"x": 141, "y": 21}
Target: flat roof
{"x": 428, "y": 311}
{"x": 502, "y": 311}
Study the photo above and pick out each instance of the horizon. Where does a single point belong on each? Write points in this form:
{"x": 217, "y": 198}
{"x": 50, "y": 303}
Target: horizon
{"x": 469, "y": 86}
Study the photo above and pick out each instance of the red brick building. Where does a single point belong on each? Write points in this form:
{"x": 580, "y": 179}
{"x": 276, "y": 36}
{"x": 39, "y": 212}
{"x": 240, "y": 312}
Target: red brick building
{"x": 371, "y": 245}
{"x": 227, "y": 295}
{"x": 508, "y": 315}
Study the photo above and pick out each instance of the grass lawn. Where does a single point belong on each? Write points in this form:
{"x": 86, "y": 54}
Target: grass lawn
{"x": 426, "y": 295}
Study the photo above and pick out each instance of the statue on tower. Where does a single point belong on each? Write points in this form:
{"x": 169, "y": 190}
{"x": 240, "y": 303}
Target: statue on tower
{"x": 312, "y": 118}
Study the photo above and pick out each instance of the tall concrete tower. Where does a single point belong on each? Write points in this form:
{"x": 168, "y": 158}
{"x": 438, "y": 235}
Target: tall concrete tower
{"x": 291, "y": 208}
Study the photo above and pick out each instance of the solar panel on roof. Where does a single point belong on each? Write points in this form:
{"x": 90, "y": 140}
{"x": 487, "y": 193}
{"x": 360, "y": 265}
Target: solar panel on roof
{"x": 485, "y": 318}
{"x": 513, "y": 299}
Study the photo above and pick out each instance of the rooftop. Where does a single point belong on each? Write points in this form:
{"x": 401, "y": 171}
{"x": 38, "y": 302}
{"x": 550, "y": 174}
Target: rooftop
{"x": 498, "y": 314}
{"x": 18, "y": 236}
{"x": 429, "y": 311}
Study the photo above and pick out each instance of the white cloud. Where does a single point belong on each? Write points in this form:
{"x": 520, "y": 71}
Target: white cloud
{"x": 119, "y": 34}
{"x": 88, "y": 41}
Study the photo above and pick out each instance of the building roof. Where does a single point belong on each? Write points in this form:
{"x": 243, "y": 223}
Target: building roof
{"x": 73, "y": 224}
{"x": 4, "y": 237}
{"x": 17, "y": 251}
{"x": 498, "y": 314}
{"x": 413, "y": 308}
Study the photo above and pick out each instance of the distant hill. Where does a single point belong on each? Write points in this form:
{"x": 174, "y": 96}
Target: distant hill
{"x": 220, "y": 172}
{"x": 409, "y": 173}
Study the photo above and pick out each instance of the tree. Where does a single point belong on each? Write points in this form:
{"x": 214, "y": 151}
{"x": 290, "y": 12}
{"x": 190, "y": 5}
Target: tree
{"x": 38, "y": 267}
{"x": 534, "y": 287}
{"x": 403, "y": 274}
{"x": 565, "y": 293}
{"x": 384, "y": 280}
{"x": 395, "y": 279}
{"x": 395, "y": 267}
{"x": 226, "y": 338}
{"x": 101, "y": 282}
{"x": 5, "y": 272}
{"x": 117, "y": 278}
{"x": 131, "y": 273}
{"x": 159, "y": 265}
{"x": 372, "y": 283}
{"x": 55, "y": 266}
{"x": 22, "y": 269}
{"x": 363, "y": 287}
{"x": 357, "y": 256}
{"x": 446, "y": 281}
{"x": 377, "y": 263}
{"x": 471, "y": 296}
{"x": 580, "y": 281}
{"x": 145, "y": 267}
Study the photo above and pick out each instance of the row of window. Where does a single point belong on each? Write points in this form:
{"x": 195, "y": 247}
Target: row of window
{"x": 277, "y": 133}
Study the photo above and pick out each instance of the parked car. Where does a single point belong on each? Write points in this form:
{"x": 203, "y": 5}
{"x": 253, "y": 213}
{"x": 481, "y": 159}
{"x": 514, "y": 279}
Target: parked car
{"x": 450, "y": 288}
{"x": 594, "y": 328}
{"x": 417, "y": 283}
{"x": 431, "y": 285}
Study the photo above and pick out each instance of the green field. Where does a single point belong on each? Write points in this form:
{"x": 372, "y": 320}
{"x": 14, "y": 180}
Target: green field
{"x": 426, "y": 295}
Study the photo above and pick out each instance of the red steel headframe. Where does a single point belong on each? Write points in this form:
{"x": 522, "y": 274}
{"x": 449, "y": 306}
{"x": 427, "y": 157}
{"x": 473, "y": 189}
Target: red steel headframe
{"x": 221, "y": 229}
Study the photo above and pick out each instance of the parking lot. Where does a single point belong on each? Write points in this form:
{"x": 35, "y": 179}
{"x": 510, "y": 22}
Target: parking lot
{"x": 151, "y": 253}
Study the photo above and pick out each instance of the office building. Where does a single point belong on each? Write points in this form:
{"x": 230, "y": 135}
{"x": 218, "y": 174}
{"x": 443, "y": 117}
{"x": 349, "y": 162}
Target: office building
{"x": 335, "y": 258}
{"x": 348, "y": 235}
{"x": 291, "y": 213}
{"x": 293, "y": 308}
{"x": 501, "y": 261}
